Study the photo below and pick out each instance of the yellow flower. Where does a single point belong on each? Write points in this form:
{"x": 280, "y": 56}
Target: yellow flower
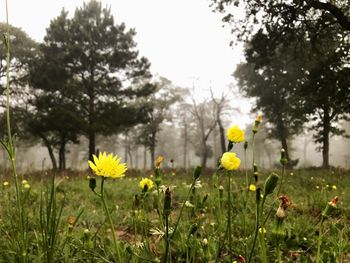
{"x": 235, "y": 134}
{"x": 229, "y": 161}
{"x": 252, "y": 188}
{"x": 334, "y": 187}
{"x": 259, "y": 118}
{"x": 108, "y": 165}
{"x": 5, "y": 184}
{"x": 159, "y": 160}
{"x": 24, "y": 182}
{"x": 26, "y": 186}
{"x": 146, "y": 184}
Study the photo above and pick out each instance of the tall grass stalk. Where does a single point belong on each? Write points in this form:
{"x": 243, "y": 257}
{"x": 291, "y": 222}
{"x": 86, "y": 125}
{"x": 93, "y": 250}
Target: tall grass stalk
{"x": 11, "y": 152}
{"x": 50, "y": 218}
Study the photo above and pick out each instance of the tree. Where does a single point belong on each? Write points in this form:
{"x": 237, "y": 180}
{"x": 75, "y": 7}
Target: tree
{"x": 22, "y": 50}
{"x": 326, "y": 95}
{"x": 204, "y": 116}
{"x": 274, "y": 87}
{"x": 286, "y": 20}
{"x": 98, "y": 64}
{"x": 53, "y": 120}
{"x": 165, "y": 95}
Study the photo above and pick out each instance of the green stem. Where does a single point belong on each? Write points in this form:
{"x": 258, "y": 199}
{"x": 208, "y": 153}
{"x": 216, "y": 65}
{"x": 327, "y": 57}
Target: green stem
{"x": 282, "y": 176}
{"x": 262, "y": 246}
{"x": 182, "y": 208}
{"x": 257, "y": 215}
{"x": 318, "y": 255}
{"x": 116, "y": 246}
{"x": 10, "y": 148}
{"x": 166, "y": 239}
{"x": 229, "y": 227}
{"x": 245, "y": 201}
{"x": 278, "y": 251}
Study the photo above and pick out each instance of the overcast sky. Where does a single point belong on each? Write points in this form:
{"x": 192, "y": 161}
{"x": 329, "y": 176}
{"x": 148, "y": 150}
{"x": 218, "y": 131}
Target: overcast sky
{"x": 183, "y": 39}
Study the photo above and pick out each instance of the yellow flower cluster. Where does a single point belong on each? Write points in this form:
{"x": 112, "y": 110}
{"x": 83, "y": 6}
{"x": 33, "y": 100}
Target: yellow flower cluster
{"x": 108, "y": 165}
{"x": 146, "y": 184}
{"x": 230, "y": 161}
{"x": 235, "y": 134}
{"x": 25, "y": 184}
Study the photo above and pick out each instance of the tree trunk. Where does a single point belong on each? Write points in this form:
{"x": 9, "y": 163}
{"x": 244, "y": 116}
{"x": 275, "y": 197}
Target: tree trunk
{"x": 62, "y": 155}
{"x": 91, "y": 129}
{"x": 51, "y": 153}
{"x": 185, "y": 144}
{"x": 222, "y": 135}
{"x": 145, "y": 158}
{"x": 285, "y": 147}
{"x": 204, "y": 156}
{"x": 325, "y": 137}
{"x": 153, "y": 148}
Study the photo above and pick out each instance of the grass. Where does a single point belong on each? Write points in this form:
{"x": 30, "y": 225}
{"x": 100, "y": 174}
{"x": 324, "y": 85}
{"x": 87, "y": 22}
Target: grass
{"x": 138, "y": 228}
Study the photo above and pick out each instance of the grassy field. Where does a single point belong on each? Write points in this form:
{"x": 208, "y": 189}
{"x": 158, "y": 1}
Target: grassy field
{"x": 67, "y": 223}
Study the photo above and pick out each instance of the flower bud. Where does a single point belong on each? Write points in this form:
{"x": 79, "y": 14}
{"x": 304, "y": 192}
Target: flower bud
{"x": 229, "y": 146}
{"x": 197, "y": 172}
{"x": 283, "y": 159}
{"x": 245, "y": 145}
{"x": 92, "y": 184}
{"x": 270, "y": 184}
{"x": 330, "y": 207}
{"x": 256, "y": 124}
{"x": 167, "y": 202}
{"x": 193, "y": 229}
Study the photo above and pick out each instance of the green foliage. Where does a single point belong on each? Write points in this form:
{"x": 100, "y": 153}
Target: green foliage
{"x": 93, "y": 66}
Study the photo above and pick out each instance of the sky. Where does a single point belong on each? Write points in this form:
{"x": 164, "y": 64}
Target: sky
{"x": 183, "y": 39}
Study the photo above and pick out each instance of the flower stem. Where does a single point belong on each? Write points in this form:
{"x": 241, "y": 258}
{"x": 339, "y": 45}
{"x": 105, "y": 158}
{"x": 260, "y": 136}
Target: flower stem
{"x": 257, "y": 215}
{"x": 229, "y": 227}
{"x": 182, "y": 208}
{"x": 116, "y": 246}
{"x": 318, "y": 255}
{"x": 167, "y": 241}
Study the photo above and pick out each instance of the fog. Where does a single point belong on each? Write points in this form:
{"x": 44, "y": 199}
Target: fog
{"x": 170, "y": 145}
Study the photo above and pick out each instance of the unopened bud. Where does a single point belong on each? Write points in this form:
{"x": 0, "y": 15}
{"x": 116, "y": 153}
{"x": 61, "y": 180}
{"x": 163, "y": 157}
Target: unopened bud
{"x": 256, "y": 123}
{"x": 283, "y": 159}
{"x": 197, "y": 172}
{"x": 193, "y": 229}
{"x": 280, "y": 213}
{"x": 270, "y": 184}
{"x": 229, "y": 146}
{"x": 330, "y": 207}
{"x": 92, "y": 184}
{"x": 167, "y": 202}
{"x": 245, "y": 145}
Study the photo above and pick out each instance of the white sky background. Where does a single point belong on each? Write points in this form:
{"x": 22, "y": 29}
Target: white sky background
{"x": 183, "y": 39}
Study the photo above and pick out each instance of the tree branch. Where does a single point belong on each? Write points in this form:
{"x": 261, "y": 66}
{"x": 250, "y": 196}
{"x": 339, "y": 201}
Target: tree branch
{"x": 342, "y": 19}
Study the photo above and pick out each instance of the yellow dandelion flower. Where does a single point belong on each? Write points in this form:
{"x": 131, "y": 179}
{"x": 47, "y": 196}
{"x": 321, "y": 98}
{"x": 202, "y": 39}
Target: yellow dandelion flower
{"x": 159, "y": 160}
{"x": 230, "y": 161}
{"x": 259, "y": 118}
{"x": 108, "y": 165}
{"x": 252, "y": 188}
{"x": 26, "y": 186}
{"x": 5, "y": 184}
{"x": 24, "y": 182}
{"x": 235, "y": 134}
{"x": 146, "y": 184}
{"x": 334, "y": 187}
